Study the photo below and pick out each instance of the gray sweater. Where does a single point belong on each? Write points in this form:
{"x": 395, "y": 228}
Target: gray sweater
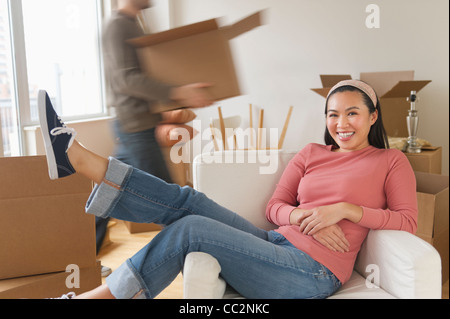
{"x": 131, "y": 92}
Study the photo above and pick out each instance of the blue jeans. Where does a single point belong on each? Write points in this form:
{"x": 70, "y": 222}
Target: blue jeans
{"x": 140, "y": 150}
{"x": 256, "y": 263}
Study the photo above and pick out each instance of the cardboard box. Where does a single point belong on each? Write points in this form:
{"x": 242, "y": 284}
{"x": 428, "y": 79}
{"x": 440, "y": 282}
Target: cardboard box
{"x": 392, "y": 88}
{"x": 43, "y": 224}
{"x": 433, "y": 219}
{"x": 198, "y": 52}
{"x": 135, "y": 228}
{"x": 428, "y": 161}
{"x": 330, "y": 80}
{"x": 51, "y": 285}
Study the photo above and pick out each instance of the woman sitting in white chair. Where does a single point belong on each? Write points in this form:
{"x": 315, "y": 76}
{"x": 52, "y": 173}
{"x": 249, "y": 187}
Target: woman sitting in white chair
{"x": 324, "y": 204}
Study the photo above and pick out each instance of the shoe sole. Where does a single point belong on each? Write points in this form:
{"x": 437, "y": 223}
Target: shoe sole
{"x": 51, "y": 160}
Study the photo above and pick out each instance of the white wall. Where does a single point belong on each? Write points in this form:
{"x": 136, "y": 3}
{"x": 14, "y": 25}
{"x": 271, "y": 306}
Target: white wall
{"x": 279, "y": 62}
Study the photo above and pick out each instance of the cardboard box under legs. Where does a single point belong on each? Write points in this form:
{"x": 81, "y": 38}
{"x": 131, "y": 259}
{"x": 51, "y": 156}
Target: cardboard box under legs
{"x": 43, "y": 224}
{"x": 51, "y": 285}
{"x": 198, "y": 52}
{"x": 433, "y": 219}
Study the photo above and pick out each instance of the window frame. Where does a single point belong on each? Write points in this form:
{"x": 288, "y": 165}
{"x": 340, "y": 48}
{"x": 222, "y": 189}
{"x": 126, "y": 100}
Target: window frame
{"x": 21, "y": 98}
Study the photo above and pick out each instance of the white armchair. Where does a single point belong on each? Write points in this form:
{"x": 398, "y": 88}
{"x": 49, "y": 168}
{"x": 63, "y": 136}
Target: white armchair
{"x": 391, "y": 264}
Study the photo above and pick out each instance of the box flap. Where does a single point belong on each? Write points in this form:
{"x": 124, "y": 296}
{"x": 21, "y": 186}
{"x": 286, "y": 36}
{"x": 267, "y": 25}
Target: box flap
{"x": 404, "y": 88}
{"x": 174, "y": 34}
{"x": 382, "y": 82}
{"x": 330, "y": 80}
{"x": 242, "y": 26}
{"x": 322, "y": 92}
{"x": 431, "y": 183}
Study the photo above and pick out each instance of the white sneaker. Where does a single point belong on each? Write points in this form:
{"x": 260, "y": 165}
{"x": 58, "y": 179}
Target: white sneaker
{"x": 106, "y": 271}
{"x": 69, "y": 295}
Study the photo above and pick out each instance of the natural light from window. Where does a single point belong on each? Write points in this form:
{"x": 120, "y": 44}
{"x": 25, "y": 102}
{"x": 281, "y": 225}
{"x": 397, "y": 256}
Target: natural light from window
{"x": 9, "y": 136}
{"x": 63, "y": 55}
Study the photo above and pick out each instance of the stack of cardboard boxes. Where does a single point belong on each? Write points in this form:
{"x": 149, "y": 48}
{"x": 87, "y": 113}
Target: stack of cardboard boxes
{"x": 393, "y": 89}
{"x": 47, "y": 241}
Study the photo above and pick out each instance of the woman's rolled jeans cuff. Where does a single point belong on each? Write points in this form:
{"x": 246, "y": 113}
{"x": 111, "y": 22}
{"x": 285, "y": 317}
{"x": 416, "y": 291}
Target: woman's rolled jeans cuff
{"x": 125, "y": 283}
{"x": 105, "y": 196}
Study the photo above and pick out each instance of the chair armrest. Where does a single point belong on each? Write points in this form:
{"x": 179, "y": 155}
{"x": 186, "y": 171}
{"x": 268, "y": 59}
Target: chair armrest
{"x": 201, "y": 277}
{"x": 406, "y": 266}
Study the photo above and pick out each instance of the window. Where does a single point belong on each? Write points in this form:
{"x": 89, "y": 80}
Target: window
{"x": 9, "y": 133}
{"x": 57, "y": 48}
{"x": 62, "y": 46}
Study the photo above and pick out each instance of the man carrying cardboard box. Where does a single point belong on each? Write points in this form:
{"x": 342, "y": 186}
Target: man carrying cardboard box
{"x": 134, "y": 96}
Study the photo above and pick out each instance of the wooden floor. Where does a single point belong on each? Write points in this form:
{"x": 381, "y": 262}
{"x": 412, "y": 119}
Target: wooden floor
{"x": 123, "y": 245}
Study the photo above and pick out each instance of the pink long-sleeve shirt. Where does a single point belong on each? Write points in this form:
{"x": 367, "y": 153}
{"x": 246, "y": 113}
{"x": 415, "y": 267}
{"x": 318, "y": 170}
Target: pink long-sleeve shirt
{"x": 381, "y": 181}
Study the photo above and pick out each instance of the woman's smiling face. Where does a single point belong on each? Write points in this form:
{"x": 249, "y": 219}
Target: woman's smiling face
{"x": 349, "y": 120}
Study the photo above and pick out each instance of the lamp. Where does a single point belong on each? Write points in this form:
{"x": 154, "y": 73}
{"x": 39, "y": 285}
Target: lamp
{"x": 412, "y": 121}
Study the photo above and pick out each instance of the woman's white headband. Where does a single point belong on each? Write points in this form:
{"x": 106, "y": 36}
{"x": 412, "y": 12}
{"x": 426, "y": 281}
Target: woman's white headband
{"x": 367, "y": 89}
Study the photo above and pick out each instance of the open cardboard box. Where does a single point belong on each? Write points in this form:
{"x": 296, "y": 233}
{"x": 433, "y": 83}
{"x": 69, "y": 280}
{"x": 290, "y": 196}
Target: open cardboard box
{"x": 198, "y": 52}
{"x": 392, "y": 88}
{"x": 433, "y": 221}
{"x": 43, "y": 224}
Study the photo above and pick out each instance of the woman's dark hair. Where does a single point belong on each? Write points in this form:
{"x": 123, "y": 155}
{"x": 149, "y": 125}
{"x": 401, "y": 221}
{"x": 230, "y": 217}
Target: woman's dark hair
{"x": 377, "y": 134}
